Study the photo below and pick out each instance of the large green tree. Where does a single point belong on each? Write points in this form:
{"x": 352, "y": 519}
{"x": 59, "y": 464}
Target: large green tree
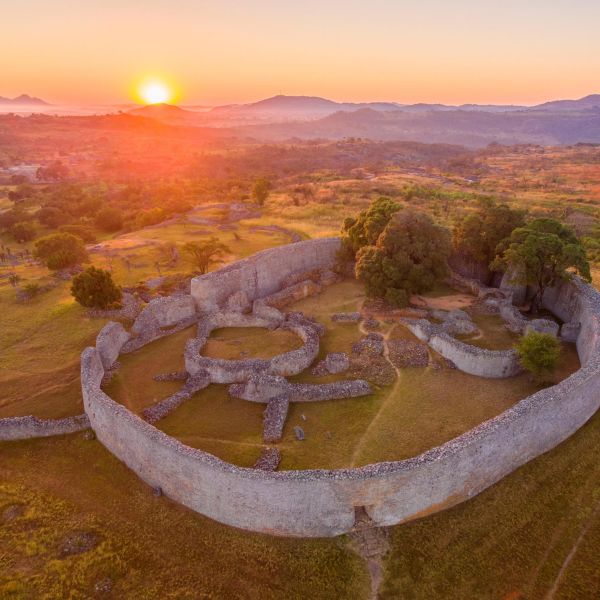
{"x": 476, "y": 237}
{"x": 408, "y": 256}
{"x": 368, "y": 226}
{"x": 60, "y": 250}
{"x": 95, "y": 288}
{"x": 541, "y": 254}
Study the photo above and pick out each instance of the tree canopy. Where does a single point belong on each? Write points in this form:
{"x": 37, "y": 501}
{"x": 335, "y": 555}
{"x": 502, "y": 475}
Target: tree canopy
{"x": 95, "y": 288}
{"x": 478, "y": 235}
{"x": 543, "y": 253}
{"x": 368, "y": 226}
{"x": 60, "y": 250}
{"x": 409, "y": 255}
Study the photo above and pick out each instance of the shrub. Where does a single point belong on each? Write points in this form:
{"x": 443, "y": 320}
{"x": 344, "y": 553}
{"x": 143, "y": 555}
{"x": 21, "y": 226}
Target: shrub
{"x": 95, "y": 288}
{"x": 60, "y": 250}
{"x": 260, "y": 191}
{"x": 23, "y": 232}
{"x": 83, "y": 231}
{"x": 539, "y": 353}
{"x": 109, "y": 219}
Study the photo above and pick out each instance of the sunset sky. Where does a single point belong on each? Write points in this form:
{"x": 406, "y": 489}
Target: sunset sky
{"x": 510, "y": 51}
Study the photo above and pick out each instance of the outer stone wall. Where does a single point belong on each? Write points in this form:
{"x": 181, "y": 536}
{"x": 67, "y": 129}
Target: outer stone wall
{"x": 323, "y": 502}
{"x": 264, "y": 273}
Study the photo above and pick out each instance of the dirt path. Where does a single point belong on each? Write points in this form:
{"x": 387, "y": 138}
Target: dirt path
{"x": 551, "y": 593}
{"x": 371, "y": 543}
{"x": 389, "y": 398}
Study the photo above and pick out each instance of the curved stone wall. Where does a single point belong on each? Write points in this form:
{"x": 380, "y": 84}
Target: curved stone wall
{"x": 262, "y": 274}
{"x": 495, "y": 364}
{"x": 323, "y": 502}
{"x": 235, "y": 371}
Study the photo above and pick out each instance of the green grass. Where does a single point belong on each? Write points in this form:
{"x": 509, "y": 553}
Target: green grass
{"x": 150, "y": 547}
{"x": 511, "y": 541}
{"x": 422, "y": 409}
{"x": 133, "y": 384}
{"x": 234, "y": 343}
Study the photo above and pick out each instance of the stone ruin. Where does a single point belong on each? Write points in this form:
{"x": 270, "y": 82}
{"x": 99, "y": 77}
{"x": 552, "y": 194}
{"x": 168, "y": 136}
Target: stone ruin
{"x": 322, "y": 502}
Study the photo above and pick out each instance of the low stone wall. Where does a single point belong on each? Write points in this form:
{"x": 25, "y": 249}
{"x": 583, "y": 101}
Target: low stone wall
{"x": 235, "y": 371}
{"x": 261, "y": 388}
{"x": 324, "y": 502}
{"x": 21, "y": 428}
{"x": 494, "y": 364}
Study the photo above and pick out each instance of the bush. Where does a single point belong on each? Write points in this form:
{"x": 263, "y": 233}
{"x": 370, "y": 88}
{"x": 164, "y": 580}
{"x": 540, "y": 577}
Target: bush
{"x": 95, "y": 288}
{"x": 84, "y": 232}
{"x": 539, "y": 353}
{"x": 60, "y": 250}
{"x": 109, "y": 219}
{"x": 23, "y": 232}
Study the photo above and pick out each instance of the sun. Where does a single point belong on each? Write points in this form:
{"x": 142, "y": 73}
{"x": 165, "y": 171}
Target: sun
{"x": 155, "y": 92}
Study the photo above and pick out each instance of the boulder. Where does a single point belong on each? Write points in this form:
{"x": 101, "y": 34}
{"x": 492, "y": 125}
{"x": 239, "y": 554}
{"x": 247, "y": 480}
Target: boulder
{"x": 337, "y": 362}
{"x": 569, "y": 332}
{"x": 542, "y": 326}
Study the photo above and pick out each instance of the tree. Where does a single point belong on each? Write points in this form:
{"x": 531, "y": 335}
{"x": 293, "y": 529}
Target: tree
{"x": 95, "y": 288}
{"x": 409, "y": 256}
{"x": 539, "y": 353}
{"x": 109, "y": 219}
{"x": 14, "y": 279}
{"x": 366, "y": 229}
{"x": 55, "y": 171}
{"x": 60, "y": 250}
{"x": 542, "y": 254}
{"x": 477, "y": 236}
{"x": 203, "y": 254}
{"x": 23, "y": 232}
{"x": 260, "y": 191}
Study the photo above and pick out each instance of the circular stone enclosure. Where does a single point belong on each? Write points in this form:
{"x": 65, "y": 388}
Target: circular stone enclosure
{"x": 322, "y": 502}
{"x": 221, "y": 370}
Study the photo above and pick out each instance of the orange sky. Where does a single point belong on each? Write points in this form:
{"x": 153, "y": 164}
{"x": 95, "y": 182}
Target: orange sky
{"x": 512, "y": 51}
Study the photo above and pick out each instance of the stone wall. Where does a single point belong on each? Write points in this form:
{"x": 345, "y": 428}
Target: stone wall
{"x": 235, "y": 371}
{"x": 264, "y": 273}
{"x": 21, "y": 428}
{"x": 495, "y": 364}
{"x": 324, "y": 502}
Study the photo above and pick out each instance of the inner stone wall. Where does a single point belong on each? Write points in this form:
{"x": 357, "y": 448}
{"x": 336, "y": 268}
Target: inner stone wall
{"x": 323, "y": 502}
{"x": 263, "y": 273}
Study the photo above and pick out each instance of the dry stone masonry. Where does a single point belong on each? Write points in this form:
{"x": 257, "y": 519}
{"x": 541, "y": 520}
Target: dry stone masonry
{"x": 325, "y": 502}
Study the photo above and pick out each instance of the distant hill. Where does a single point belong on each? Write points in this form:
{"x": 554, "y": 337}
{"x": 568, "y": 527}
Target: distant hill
{"x": 23, "y": 100}
{"x": 166, "y": 113}
{"x": 591, "y": 102}
{"x": 465, "y": 127}
{"x": 295, "y": 108}
{"x": 309, "y": 117}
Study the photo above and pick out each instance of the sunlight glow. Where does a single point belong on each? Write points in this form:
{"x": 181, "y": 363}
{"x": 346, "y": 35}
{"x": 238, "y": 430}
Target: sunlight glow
{"x": 155, "y": 92}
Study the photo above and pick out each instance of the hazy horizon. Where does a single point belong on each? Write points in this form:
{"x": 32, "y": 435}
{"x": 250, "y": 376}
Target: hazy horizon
{"x": 211, "y": 53}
